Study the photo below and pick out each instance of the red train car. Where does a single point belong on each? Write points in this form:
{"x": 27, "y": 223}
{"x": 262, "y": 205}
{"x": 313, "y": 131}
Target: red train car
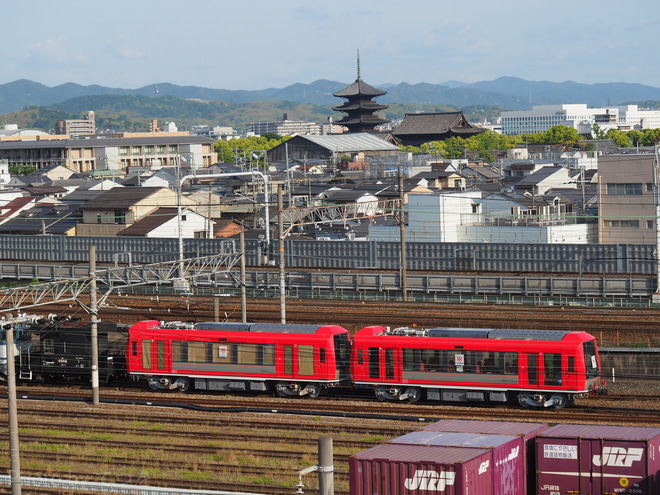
{"x": 534, "y": 368}
{"x": 298, "y": 360}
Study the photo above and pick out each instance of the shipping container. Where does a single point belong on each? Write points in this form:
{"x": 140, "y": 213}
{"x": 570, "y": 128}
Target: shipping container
{"x": 398, "y": 469}
{"x": 599, "y": 459}
{"x": 507, "y": 460}
{"x": 528, "y": 431}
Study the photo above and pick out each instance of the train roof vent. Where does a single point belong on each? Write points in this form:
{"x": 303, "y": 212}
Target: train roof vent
{"x": 225, "y": 326}
{"x": 283, "y": 328}
{"x": 459, "y": 333}
{"x": 515, "y": 334}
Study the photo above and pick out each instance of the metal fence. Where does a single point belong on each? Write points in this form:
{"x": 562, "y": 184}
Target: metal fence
{"x": 621, "y": 259}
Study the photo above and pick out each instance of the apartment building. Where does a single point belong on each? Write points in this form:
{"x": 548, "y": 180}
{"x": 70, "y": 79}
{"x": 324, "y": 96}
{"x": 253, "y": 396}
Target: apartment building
{"x": 77, "y": 127}
{"x": 155, "y": 149}
{"x": 543, "y": 117}
{"x": 627, "y": 199}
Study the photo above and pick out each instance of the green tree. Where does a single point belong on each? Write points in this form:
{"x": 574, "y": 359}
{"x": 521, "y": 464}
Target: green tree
{"x": 561, "y": 134}
{"x": 485, "y": 156}
{"x": 21, "y": 170}
{"x": 597, "y": 132}
{"x": 619, "y": 137}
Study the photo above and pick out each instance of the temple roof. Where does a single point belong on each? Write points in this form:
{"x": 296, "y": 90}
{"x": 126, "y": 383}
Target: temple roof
{"x": 359, "y": 87}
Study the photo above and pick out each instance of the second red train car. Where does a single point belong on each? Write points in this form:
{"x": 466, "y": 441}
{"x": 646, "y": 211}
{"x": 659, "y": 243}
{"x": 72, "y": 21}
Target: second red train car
{"x": 534, "y": 368}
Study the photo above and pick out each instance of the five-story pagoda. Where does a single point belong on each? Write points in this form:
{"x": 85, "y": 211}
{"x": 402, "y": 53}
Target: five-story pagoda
{"x": 360, "y": 108}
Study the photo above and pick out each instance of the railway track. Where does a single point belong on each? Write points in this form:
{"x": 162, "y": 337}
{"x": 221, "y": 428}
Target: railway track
{"x": 612, "y": 326}
{"x": 605, "y": 409}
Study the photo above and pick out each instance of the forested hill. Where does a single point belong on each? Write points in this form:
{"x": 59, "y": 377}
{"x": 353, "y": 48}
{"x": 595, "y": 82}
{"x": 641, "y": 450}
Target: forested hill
{"x": 506, "y": 92}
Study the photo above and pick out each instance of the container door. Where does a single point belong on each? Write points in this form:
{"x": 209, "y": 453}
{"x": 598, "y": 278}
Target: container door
{"x": 619, "y": 466}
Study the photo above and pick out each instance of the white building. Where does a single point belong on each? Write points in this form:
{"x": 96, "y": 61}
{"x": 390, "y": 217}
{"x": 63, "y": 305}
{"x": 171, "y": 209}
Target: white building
{"x": 543, "y": 117}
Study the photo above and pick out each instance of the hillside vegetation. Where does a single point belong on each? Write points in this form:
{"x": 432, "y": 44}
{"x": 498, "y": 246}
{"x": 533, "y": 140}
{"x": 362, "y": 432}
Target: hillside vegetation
{"x": 115, "y": 113}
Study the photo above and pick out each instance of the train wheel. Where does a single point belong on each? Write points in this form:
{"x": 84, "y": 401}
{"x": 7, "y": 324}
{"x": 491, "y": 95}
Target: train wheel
{"x": 558, "y": 401}
{"x": 313, "y": 390}
{"x": 183, "y": 383}
{"x": 414, "y": 394}
{"x": 154, "y": 383}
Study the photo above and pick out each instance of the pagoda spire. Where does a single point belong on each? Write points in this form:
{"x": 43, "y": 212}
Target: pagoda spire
{"x": 358, "y": 65}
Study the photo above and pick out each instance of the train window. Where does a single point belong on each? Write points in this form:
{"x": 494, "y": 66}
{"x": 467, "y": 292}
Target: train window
{"x": 134, "y": 348}
{"x": 268, "y": 352}
{"x": 360, "y": 359}
{"x": 571, "y": 364}
{"x": 48, "y": 346}
{"x": 247, "y": 353}
{"x": 146, "y": 354}
{"x": 306, "y": 359}
{"x": 552, "y": 368}
{"x": 322, "y": 355}
{"x": 180, "y": 351}
{"x": 161, "y": 355}
{"x": 412, "y": 360}
{"x": 374, "y": 362}
{"x": 197, "y": 352}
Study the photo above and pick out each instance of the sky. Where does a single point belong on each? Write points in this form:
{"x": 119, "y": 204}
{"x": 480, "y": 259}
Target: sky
{"x": 264, "y": 44}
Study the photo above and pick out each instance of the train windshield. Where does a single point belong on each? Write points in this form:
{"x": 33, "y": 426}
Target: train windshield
{"x": 591, "y": 359}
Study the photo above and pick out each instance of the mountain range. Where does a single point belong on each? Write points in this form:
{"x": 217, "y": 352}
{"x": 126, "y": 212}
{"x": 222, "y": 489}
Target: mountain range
{"x": 508, "y": 93}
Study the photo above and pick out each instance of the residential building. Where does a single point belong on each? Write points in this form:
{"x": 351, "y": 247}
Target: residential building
{"x": 543, "y": 117}
{"x": 164, "y": 222}
{"x": 115, "y": 210}
{"x": 628, "y": 189}
{"x": 285, "y": 127}
{"x": 77, "y": 128}
{"x": 113, "y": 154}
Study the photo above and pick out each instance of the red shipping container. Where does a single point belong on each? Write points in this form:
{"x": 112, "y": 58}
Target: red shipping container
{"x": 598, "y": 459}
{"x": 397, "y": 469}
{"x": 507, "y": 454}
{"x": 528, "y": 431}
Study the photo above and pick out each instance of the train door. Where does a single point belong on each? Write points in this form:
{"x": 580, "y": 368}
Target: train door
{"x": 532, "y": 369}
{"x": 288, "y": 360}
{"x": 154, "y": 355}
{"x": 553, "y": 370}
{"x": 382, "y": 366}
{"x": 374, "y": 363}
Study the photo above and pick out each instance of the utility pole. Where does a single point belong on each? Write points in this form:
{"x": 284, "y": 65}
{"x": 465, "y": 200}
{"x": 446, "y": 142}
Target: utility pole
{"x": 241, "y": 238}
{"x": 280, "y": 227}
{"x": 402, "y": 232}
{"x": 14, "y": 451}
{"x": 94, "y": 326}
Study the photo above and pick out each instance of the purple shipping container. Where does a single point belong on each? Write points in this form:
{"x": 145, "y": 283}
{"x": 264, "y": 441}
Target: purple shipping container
{"x": 598, "y": 459}
{"x": 397, "y": 469}
{"x": 507, "y": 460}
{"x": 528, "y": 431}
